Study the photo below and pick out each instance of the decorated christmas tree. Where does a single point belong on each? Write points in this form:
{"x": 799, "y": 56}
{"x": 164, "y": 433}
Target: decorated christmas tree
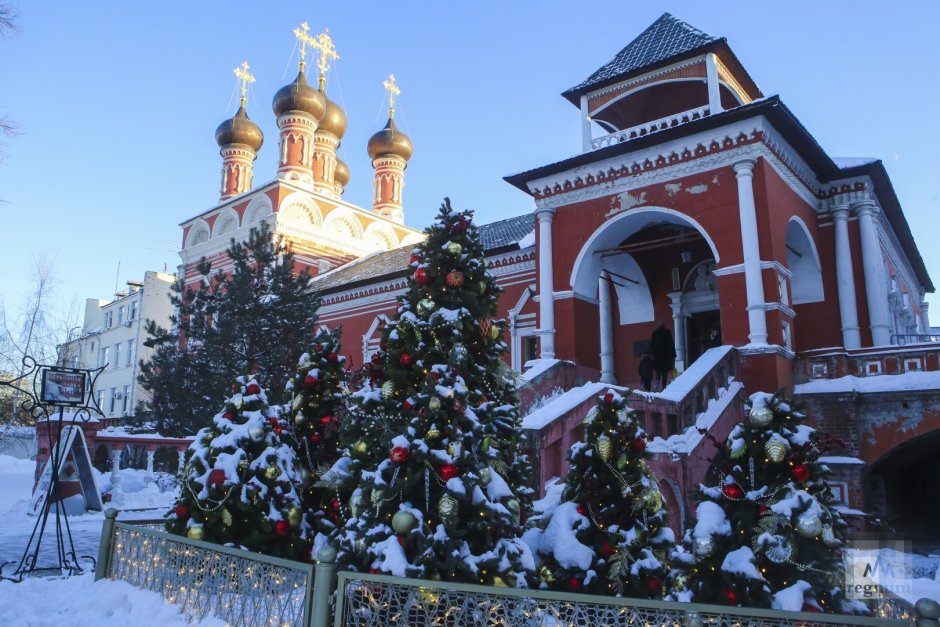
{"x": 442, "y": 486}
{"x": 315, "y": 404}
{"x": 767, "y": 534}
{"x": 609, "y": 534}
{"x": 238, "y": 483}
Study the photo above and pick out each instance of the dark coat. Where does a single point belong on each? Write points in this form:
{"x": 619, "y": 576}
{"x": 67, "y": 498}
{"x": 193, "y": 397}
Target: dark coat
{"x": 663, "y": 350}
{"x": 646, "y": 368}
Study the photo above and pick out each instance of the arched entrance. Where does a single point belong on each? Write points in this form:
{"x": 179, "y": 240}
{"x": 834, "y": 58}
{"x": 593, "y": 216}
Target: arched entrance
{"x": 903, "y": 489}
{"x": 636, "y": 267}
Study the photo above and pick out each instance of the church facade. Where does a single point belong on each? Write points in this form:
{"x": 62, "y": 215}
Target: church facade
{"x": 697, "y": 202}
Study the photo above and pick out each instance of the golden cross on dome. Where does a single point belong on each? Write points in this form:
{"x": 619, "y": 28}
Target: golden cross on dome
{"x": 324, "y": 43}
{"x": 392, "y": 88}
{"x": 246, "y": 79}
{"x": 303, "y": 35}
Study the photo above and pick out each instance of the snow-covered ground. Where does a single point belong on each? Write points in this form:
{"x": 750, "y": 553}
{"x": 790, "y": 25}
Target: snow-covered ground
{"x": 78, "y": 600}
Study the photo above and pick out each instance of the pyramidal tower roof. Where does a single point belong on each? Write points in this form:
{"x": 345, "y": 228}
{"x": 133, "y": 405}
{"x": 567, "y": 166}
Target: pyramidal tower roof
{"x": 666, "y": 38}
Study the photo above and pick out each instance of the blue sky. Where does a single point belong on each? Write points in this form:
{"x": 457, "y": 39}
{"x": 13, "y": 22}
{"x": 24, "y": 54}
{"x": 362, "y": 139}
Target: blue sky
{"x": 117, "y": 103}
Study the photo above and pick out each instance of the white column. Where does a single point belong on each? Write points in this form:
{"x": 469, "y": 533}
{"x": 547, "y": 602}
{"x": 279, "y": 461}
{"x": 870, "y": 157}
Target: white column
{"x": 873, "y": 264}
{"x": 845, "y": 279}
{"x": 546, "y": 289}
{"x": 678, "y": 324}
{"x": 714, "y": 87}
{"x": 181, "y": 460}
{"x": 756, "y": 315}
{"x": 150, "y": 455}
{"x": 115, "y": 467}
{"x": 924, "y": 318}
{"x": 607, "y": 328}
{"x": 585, "y": 125}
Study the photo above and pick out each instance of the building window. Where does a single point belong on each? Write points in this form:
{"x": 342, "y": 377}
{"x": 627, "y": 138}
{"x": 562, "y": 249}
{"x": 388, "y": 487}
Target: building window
{"x": 126, "y": 399}
{"x": 121, "y": 314}
{"x": 130, "y": 353}
{"x": 132, "y": 311}
{"x": 101, "y": 400}
{"x": 530, "y": 348}
{"x": 115, "y": 394}
{"x": 787, "y": 339}
{"x": 103, "y": 354}
{"x": 117, "y": 355}
{"x": 107, "y": 319}
{"x": 91, "y": 347}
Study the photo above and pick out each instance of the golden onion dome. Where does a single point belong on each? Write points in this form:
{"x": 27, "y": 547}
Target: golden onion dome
{"x": 341, "y": 174}
{"x": 334, "y": 119}
{"x": 390, "y": 141}
{"x": 239, "y": 130}
{"x": 299, "y": 96}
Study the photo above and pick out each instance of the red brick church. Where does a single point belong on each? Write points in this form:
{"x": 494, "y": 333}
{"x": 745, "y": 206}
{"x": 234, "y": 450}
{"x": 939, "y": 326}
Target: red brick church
{"x": 697, "y": 201}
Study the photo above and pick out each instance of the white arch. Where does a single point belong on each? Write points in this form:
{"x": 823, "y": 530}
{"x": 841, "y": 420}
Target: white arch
{"x": 626, "y": 94}
{"x": 198, "y": 233}
{"x": 381, "y": 236}
{"x": 806, "y": 284}
{"x": 259, "y": 207}
{"x": 634, "y": 300}
{"x": 342, "y": 223}
{"x": 225, "y": 223}
{"x": 588, "y": 265}
{"x": 300, "y": 208}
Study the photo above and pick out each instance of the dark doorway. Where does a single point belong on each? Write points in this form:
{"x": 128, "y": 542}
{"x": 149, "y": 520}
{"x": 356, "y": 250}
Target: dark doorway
{"x": 703, "y": 332}
{"x": 904, "y": 491}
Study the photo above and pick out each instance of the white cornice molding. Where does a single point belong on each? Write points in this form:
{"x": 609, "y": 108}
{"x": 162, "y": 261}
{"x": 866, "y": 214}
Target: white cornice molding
{"x": 764, "y": 265}
{"x": 628, "y": 84}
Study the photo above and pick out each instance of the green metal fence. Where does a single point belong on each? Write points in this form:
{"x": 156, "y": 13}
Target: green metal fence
{"x": 250, "y": 589}
{"x": 236, "y": 586}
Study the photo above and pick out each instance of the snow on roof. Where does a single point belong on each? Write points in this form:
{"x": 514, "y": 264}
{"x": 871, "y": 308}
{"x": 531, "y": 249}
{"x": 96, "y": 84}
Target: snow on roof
{"x": 851, "y": 162}
{"x": 905, "y": 382}
{"x": 563, "y": 404}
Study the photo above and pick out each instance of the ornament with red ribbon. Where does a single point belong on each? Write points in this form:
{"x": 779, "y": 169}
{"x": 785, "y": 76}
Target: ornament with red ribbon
{"x": 733, "y": 491}
{"x": 448, "y": 472}
{"x": 421, "y": 276}
{"x": 282, "y": 528}
{"x": 454, "y": 278}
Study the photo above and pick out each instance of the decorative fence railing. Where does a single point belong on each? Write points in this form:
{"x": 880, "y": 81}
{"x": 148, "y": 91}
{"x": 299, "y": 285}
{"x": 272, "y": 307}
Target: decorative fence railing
{"x": 248, "y": 589}
{"x": 205, "y": 579}
{"x": 647, "y": 128}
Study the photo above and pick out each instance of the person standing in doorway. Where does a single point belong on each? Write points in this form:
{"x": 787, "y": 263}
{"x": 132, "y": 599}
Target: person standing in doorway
{"x": 663, "y": 350}
{"x": 646, "y": 371}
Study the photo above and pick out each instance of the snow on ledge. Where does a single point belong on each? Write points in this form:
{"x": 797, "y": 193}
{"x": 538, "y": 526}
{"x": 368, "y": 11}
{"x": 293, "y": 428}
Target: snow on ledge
{"x": 564, "y": 403}
{"x": 693, "y": 375}
{"x": 838, "y": 460}
{"x": 905, "y": 382}
{"x": 535, "y": 367}
{"x": 685, "y": 442}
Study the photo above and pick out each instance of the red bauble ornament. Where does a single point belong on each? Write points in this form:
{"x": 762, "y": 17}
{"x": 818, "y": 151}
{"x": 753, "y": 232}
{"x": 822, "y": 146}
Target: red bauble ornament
{"x": 334, "y": 504}
{"x": 435, "y": 375}
{"x": 415, "y": 259}
{"x": 608, "y": 398}
{"x": 405, "y": 359}
{"x": 278, "y": 430}
{"x": 638, "y": 445}
{"x": 800, "y": 472}
{"x": 809, "y": 607}
{"x": 326, "y": 421}
{"x": 383, "y": 345}
{"x": 654, "y": 585}
{"x": 332, "y": 357}
{"x": 254, "y": 388}
{"x": 315, "y": 438}
{"x": 762, "y": 508}
{"x": 375, "y": 571}
{"x": 229, "y": 415}
{"x": 182, "y": 511}
{"x": 401, "y": 539}
{"x": 607, "y": 550}
{"x": 448, "y": 472}
{"x": 455, "y": 278}
{"x": 581, "y": 510}
{"x": 731, "y": 596}
{"x": 407, "y": 404}
{"x": 216, "y": 477}
{"x": 310, "y": 381}
{"x": 733, "y": 491}
{"x": 398, "y": 455}
{"x": 421, "y": 276}
{"x": 574, "y": 584}
{"x": 282, "y": 528}
{"x": 273, "y": 421}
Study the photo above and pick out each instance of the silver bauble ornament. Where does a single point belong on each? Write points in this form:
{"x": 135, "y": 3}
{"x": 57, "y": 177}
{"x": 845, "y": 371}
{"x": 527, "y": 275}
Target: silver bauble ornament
{"x": 300, "y": 419}
{"x": 605, "y": 448}
{"x": 703, "y": 545}
{"x": 454, "y": 248}
{"x": 388, "y": 390}
{"x": 809, "y": 525}
{"x": 447, "y": 508}
{"x": 434, "y": 404}
{"x": 426, "y": 306}
{"x": 357, "y": 503}
{"x": 458, "y": 354}
{"x": 780, "y": 551}
{"x": 256, "y": 434}
{"x": 776, "y": 450}
{"x": 761, "y": 416}
{"x": 513, "y": 506}
{"x": 403, "y": 521}
{"x": 486, "y": 475}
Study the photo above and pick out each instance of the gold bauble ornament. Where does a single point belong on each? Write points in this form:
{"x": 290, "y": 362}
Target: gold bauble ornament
{"x": 546, "y": 576}
{"x": 776, "y": 450}
{"x": 680, "y": 583}
{"x": 498, "y": 582}
{"x": 605, "y": 448}
{"x": 196, "y": 533}
{"x": 653, "y": 500}
{"x": 297, "y": 403}
{"x": 761, "y": 416}
{"x": 433, "y": 433}
{"x": 434, "y": 404}
{"x": 454, "y": 248}
{"x": 485, "y": 444}
{"x": 454, "y": 449}
{"x": 293, "y": 516}
{"x": 226, "y": 517}
{"x": 447, "y": 509}
{"x": 360, "y": 447}
{"x": 403, "y": 521}
{"x": 271, "y": 472}
{"x": 494, "y": 331}
{"x": 515, "y": 509}
{"x": 388, "y": 390}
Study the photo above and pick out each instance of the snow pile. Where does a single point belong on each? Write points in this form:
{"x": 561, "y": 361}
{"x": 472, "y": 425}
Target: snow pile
{"x": 905, "y": 382}
{"x": 16, "y": 477}
{"x": 560, "y": 538}
{"x": 685, "y": 442}
{"x": 80, "y": 600}
{"x": 791, "y": 599}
